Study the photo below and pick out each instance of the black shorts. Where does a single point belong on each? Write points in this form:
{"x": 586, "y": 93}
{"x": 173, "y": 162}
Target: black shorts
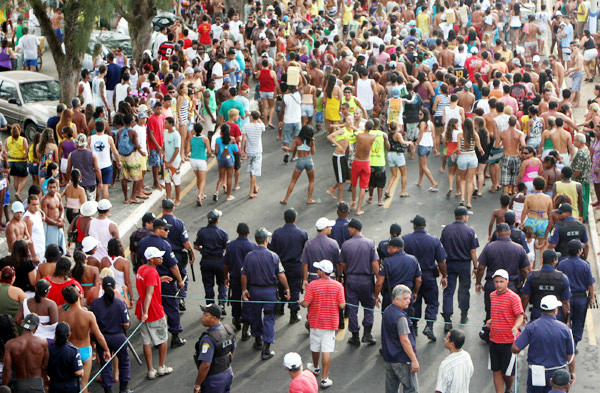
{"x": 237, "y": 163}
{"x": 437, "y": 121}
{"x": 500, "y": 358}
{"x": 18, "y": 168}
{"x": 377, "y": 177}
{"x": 340, "y": 168}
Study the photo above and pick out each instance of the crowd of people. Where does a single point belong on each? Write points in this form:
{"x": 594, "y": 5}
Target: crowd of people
{"x": 493, "y": 88}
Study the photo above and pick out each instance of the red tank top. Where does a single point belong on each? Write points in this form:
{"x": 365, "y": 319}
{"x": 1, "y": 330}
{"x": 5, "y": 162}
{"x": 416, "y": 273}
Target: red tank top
{"x": 267, "y": 84}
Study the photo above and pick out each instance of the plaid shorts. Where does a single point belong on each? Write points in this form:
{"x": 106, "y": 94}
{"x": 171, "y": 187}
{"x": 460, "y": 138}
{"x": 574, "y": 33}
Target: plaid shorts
{"x": 510, "y": 166}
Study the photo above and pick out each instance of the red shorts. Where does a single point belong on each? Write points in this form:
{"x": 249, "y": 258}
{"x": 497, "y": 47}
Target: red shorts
{"x": 361, "y": 170}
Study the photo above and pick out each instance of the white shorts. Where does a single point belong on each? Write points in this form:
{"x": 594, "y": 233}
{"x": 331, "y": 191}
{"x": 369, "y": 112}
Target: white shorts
{"x": 590, "y": 54}
{"x": 322, "y": 340}
{"x": 64, "y": 163}
{"x": 198, "y": 164}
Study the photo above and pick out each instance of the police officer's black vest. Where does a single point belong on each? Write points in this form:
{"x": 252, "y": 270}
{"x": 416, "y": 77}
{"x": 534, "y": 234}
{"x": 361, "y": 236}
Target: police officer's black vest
{"x": 224, "y": 340}
{"x": 568, "y": 231}
{"x": 545, "y": 283}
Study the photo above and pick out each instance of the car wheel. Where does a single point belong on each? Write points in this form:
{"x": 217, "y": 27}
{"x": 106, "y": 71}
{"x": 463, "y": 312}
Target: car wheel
{"x": 30, "y": 131}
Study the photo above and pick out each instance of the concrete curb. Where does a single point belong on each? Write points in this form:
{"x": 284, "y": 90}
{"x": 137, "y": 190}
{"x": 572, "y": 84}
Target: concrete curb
{"x": 593, "y": 235}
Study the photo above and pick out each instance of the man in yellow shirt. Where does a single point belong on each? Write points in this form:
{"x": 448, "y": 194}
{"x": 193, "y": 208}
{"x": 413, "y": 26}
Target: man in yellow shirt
{"x": 582, "y": 15}
{"x": 377, "y": 158}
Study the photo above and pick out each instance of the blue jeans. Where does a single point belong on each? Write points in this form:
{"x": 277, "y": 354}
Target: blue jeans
{"x": 457, "y": 270}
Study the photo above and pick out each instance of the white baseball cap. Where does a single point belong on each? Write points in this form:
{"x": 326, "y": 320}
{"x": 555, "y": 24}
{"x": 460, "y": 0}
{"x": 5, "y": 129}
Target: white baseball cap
{"x": 153, "y": 252}
{"x": 501, "y": 273}
{"x": 325, "y": 265}
{"x": 474, "y": 50}
{"x": 17, "y": 207}
{"x": 104, "y": 204}
{"x": 549, "y": 303}
{"x": 89, "y": 208}
{"x": 89, "y": 243}
{"x": 536, "y": 59}
{"x": 323, "y": 223}
{"x": 292, "y": 360}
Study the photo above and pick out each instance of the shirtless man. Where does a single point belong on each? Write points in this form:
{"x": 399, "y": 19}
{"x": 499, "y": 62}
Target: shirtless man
{"x": 550, "y": 173}
{"x": 510, "y": 164}
{"x": 575, "y": 72}
{"x": 498, "y": 214}
{"x": 17, "y": 229}
{"x": 536, "y": 210}
{"x": 547, "y": 97}
{"x": 558, "y": 70}
{"x": 361, "y": 167}
{"x": 340, "y": 137}
{"x": 34, "y": 219}
{"x": 477, "y": 19}
{"x": 293, "y": 43}
{"x": 316, "y": 75}
{"x": 28, "y": 356}
{"x": 56, "y": 20}
{"x": 466, "y": 98}
{"x": 531, "y": 41}
{"x": 52, "y": 206}
{"x": 82, "y": 323}
{"x": 343, "y": 64}
{"x": 446, "y": 55}
{"x": 561, "y": 142}
{"x": 552, "y": 111}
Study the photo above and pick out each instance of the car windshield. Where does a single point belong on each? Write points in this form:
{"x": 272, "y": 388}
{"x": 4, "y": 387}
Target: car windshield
{"x": 39, "y": 91}
{"x": 113, "y": 44}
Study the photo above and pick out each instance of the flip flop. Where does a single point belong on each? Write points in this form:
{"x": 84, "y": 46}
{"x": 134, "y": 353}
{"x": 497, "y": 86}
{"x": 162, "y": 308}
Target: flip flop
{"x": 386, "y": 194}
{"x": 433, "y": 189}
{"x": 137, "y": 202}
{"x": 448, "y": 193}
{"x": 380, "y": 203}
{"x": 404, "y": 195}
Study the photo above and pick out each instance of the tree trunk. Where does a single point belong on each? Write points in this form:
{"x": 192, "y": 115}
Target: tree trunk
{"x": 68, "y": 76}
{"x": 140, "y": 26}
{"x": 238, "y": 6}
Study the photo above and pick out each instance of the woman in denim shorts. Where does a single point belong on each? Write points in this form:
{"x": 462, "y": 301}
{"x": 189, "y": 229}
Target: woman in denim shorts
{"x": 226, "y": 147}
{"x": 304, "y": 147}
{"x": 467, "y": 160}
{"x": 425, "y": 143}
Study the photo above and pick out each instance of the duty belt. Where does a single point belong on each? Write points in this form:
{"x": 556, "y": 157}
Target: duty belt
{"x": 212, "y": 256}
{"x": 263, "y": 286}
{"x": 579, "y": 294}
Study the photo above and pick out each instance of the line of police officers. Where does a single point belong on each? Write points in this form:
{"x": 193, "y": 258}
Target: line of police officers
{"x": 279, "y": 265}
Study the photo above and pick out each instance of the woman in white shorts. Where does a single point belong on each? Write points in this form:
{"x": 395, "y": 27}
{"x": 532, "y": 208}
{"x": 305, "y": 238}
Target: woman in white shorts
{"x": 467, "y": 160}
{"x": 200, "y": 151}
{"x": 395, "y": 158}
{"x": 589, "y": 54}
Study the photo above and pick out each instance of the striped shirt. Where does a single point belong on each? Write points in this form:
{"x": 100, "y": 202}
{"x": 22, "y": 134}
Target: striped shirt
{"x": 455, "y": 373}
{"x": 253, "y": 132}
{"x": 505, "y": 308}
{"x": 324, "y": 296}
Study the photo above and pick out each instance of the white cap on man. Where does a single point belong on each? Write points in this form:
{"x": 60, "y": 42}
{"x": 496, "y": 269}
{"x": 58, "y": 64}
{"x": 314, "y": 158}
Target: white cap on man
{"x": 550, "y": 303}
{"x": 17, "y": 207}
{"x": 153, "y": 252}
{"x": 323, "y": 223}
{"x": 501, "y": 273}
{"x": 325, "y": 265}
{"x": 292, "y": 361}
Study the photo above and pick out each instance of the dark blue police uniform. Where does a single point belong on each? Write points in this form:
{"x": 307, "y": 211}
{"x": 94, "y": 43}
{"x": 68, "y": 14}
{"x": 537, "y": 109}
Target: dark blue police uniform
{"x": 427, "y": 249}
{"x": 563, "y": 232}
{"x": 546, "y": 281}
{"x": 398, "y": 268}
{"x": 339, "y": 232}
{"x": 382, "y": 249}
{"x": 110, "y": 321}
{"x": 63, "y": 362}
{"x": 170, "y": 304}
{"x": 215, "y": 347}
{"x": 550, "y": 342}
{"x": 213, "y": 241}
{"x": 288, "y": 242}
{"x": 316, "y": 249}
{"x": 580, "y": 277}
{"x": 177, "y": 237}
{"x": 516, "y": 235}
{"x": 234, "y": 258}
{"x": 458, "y": 240}
{"x": 261, "y": 268}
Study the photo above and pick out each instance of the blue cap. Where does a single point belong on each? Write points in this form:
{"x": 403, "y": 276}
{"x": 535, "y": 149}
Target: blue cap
{"x": 226, "y": 79}
{"x": 396, "y": 92}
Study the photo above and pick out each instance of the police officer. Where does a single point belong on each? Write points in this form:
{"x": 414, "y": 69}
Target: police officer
{"x": 180, "y": 244}
{"x": 339, "y": 231}
{"x": 113, "y": 320}
{"x": 211, "y": 241}
{"x": 501, "y": 253}
{"x": 566, "y": 230}
{"x": 428, "y": 250}
{"x": 516, "y": 235}
{"x": 546, "y": 281}
{"x": 169, "y": 267}
{"x": 398, "y": 268}
{"x": 288, "y": 242}
{"x": 551, "y": 346}
{"x": 214, "y": 353}
{"x": 232, "y": 262}
{"x": 359, "y": 262}
{"x": 460, "y": 242}
{"x": 260, "y": 273}
{"x": 137, "y": 236}
{"x": 582, "y": 286}
{"x": 395, "y": 231}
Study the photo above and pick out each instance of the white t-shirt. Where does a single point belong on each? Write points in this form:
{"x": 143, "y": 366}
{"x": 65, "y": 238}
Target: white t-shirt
{"x": 87, "y": 93}
{"x": 120, "y": 93}
{"x": 142, "y": 135}
{"x": 234, "y": 27}
{"x": 293, "y": 112}
{"x": 29, "y": 44}
{"x": 218, "y": 71}
{"x": 217, "y": 32}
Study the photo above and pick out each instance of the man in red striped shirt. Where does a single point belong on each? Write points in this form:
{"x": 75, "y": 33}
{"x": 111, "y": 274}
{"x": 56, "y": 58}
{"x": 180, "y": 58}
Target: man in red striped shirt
{"x": 325, "y": 297}
{"x": 506, "y": 317}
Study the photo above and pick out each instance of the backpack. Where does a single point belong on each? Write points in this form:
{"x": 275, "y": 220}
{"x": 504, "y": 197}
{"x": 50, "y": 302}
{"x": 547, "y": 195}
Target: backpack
{"x": 134, "y": 244}
{"x": 125, "y": 144}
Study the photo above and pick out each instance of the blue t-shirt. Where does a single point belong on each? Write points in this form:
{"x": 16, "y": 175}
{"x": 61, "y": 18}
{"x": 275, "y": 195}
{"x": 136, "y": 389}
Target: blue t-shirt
{"x": 232, "y": 147}
{"x": 172, "y": 142}
{"x": 198, "y": 148}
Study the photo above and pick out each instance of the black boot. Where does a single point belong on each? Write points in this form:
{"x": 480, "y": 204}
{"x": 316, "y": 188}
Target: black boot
{"x": 258, "y": 343}
{"x": 342, "y": 324}
{"x": 237, "y": 323}
{"x": 182, "y": 307}
{"x": 123, "y": 388}
{"x": 279, "y": 309}
{"x": 177, "y": 342}
{"x": 367, "y": 337}
{"x": 307, "y": 325}
{"x": 463, "y": 316}
{"x": 428, "y": 331}
{"x": 108, "y": 389}
{"x": 223, "y": 310}
{"x": 245, "y": 334}
{"x": 484, "y": 334}
{"x": 448, "y": 324}
{"x": 294, "y": 317}
{"x": 416, "y": 328}
{"x": 266, "y": 352}
{"x": 355, "y": 339}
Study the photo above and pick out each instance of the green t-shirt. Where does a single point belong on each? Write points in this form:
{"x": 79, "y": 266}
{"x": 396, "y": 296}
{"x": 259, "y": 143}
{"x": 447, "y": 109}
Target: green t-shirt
{"x": 229, "y": 104}
{"x": 378, "y": 149}
{"x": 18, "y": 34}
{"x": 212, "y": 103}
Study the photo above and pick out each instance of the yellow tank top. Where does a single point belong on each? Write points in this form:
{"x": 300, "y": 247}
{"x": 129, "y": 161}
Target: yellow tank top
{"x": 423, "y": 22}
{"x": 351, "y": 102}
{"x": 378, "y": 149}
{"x": 571, "y": 190}
{"x": 16, "y": 151}
{"x": 348, "y": 15}
{"x": 395, "y": 109}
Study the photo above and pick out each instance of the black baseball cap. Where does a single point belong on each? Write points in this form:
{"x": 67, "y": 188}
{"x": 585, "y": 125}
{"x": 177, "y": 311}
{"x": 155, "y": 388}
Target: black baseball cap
{"x": 396, "y": 242}
{"x": 262, "y": 233}
{"x": 575, "y": 245}
{"x": 550, "y": 255}
{"x": 502, "y": 227}
{"x": 461, "y": 211}
{"x": 510, "y": 217}
{"x": 212, "y": 309}
{"x": 168, "y": 204}
{"x": 148, "y": 217}
{"x": 160, "y": 223}
{"x": 356, "y": 224}
{"x": 214, "y": 214}
{"x": 419, "y": 221}
{"x": 564, "y": 208}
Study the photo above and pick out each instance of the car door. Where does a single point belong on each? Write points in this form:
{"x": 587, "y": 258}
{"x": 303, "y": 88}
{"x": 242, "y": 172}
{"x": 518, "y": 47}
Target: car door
{"x": 10, "y": 102}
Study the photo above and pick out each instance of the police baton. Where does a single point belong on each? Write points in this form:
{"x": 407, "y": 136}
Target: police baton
{"x": 184, "y": 279}
{"x": 192, "y": 265}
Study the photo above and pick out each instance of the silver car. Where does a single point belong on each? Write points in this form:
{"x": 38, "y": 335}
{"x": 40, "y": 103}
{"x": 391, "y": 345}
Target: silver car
{"x": 29, "y": 99}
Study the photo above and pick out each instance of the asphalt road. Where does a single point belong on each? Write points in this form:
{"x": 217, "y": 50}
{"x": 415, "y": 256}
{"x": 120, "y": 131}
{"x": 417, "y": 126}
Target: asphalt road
{"x": 353, "y": 369}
